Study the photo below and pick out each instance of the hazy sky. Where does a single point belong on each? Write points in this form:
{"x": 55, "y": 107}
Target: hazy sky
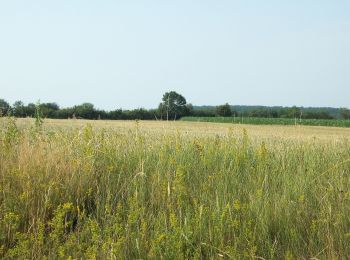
{"x": 127, "y": 53}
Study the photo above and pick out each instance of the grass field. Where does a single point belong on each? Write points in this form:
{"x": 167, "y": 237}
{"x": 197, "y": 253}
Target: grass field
{"x": 173, "y": 190}
{"x": 271, "y": 121}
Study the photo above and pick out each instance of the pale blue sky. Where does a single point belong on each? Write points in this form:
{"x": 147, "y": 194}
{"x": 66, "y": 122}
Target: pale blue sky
{"x": 127, "y": 53}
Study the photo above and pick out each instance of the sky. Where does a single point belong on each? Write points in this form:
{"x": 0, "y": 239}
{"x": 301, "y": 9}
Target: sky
{"x": 127, "y": 53}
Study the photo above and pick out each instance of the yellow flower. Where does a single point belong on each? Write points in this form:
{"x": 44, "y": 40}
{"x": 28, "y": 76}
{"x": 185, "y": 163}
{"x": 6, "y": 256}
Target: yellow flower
{"x": 236, "y": 205}
{"x": 302, "y": 198}
{"x": 259, "y": 193}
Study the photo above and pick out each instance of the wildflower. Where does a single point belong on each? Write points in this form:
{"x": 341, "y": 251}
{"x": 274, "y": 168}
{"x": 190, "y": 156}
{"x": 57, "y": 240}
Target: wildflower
{"x": 236, "y": 205}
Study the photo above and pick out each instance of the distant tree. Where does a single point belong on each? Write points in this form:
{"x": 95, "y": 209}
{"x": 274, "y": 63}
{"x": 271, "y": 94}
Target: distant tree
{"x": 162, "y": 111}
{"x": 224, "y": 110}
{"x": 173, "y": 105}
{"x": 4, "y": 107}
{"x": 102, "y": 114}
{"x": 139, "y": 113}
{"x": 204, "y": 112}
{"x": 30, "y": 110}
{"x": 293, "y": 112}
{"x": 116, "y": 114}
{"x": 49, "y": 110}
{"x": 317, "y": 115}
{"x": 65, "y": 113}
{"x": 189, "y": 111}
{"x": 19, "y": 109}
{"x": 86, "y": 111}
{"x": 344, "y": 113}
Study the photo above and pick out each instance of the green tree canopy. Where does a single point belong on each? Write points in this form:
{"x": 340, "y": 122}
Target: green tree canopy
{"x": 344, "y": 113}
{"x": 19, "y": 109}
{"x": 224, "y": 110}
{"x": 86, "y": 110}
{"x": 173, "y": 105}
{"x": 49, "y": 109}
{"x": 4, "y": 107}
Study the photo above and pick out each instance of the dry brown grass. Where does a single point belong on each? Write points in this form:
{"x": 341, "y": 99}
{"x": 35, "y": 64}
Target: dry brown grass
{"x": 80, "y": 189}
{"x": 301, "y": 133}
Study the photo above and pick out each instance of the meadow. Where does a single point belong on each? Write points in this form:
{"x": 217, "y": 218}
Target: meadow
{"x": 271, "y": 121}
{"x": 74, "y": 189}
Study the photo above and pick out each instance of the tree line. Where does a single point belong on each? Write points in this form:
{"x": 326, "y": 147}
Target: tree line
{"x": 173, "y": 106}
{"x": 274, "y": 112}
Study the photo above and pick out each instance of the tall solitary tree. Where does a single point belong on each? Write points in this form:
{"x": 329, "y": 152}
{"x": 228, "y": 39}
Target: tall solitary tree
{"x": 173, "y": 105}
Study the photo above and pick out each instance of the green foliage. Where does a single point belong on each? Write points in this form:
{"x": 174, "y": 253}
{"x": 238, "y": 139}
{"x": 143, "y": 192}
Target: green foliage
{"x": 49, "y": 110}
{"x": 4, "y": 107}
{"x": 224, "y": 110}
{"x": 19, "y": 109}
{"x": 85, "y": 110}
{"x": 273, "y": 112}
{"x": 11, "y": 132}
{"x": 345, "y": 113}
{"x": 173, "y": 105}
{"x": 270, "y": 121}
{"x": 38, "y": 116}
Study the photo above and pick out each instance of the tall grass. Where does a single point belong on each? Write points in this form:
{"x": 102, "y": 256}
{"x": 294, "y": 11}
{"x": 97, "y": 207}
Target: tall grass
{"x": 88, "y": 193}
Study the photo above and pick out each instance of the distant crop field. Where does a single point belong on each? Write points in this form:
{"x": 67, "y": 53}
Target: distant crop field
{"x": 271, "y": 121}
{"x": 76, "y": 189}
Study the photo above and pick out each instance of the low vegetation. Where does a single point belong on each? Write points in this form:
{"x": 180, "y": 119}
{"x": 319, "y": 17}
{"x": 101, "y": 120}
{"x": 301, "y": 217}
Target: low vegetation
{"x": 93, "y": 192}
{"x": 271, "y": 121}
